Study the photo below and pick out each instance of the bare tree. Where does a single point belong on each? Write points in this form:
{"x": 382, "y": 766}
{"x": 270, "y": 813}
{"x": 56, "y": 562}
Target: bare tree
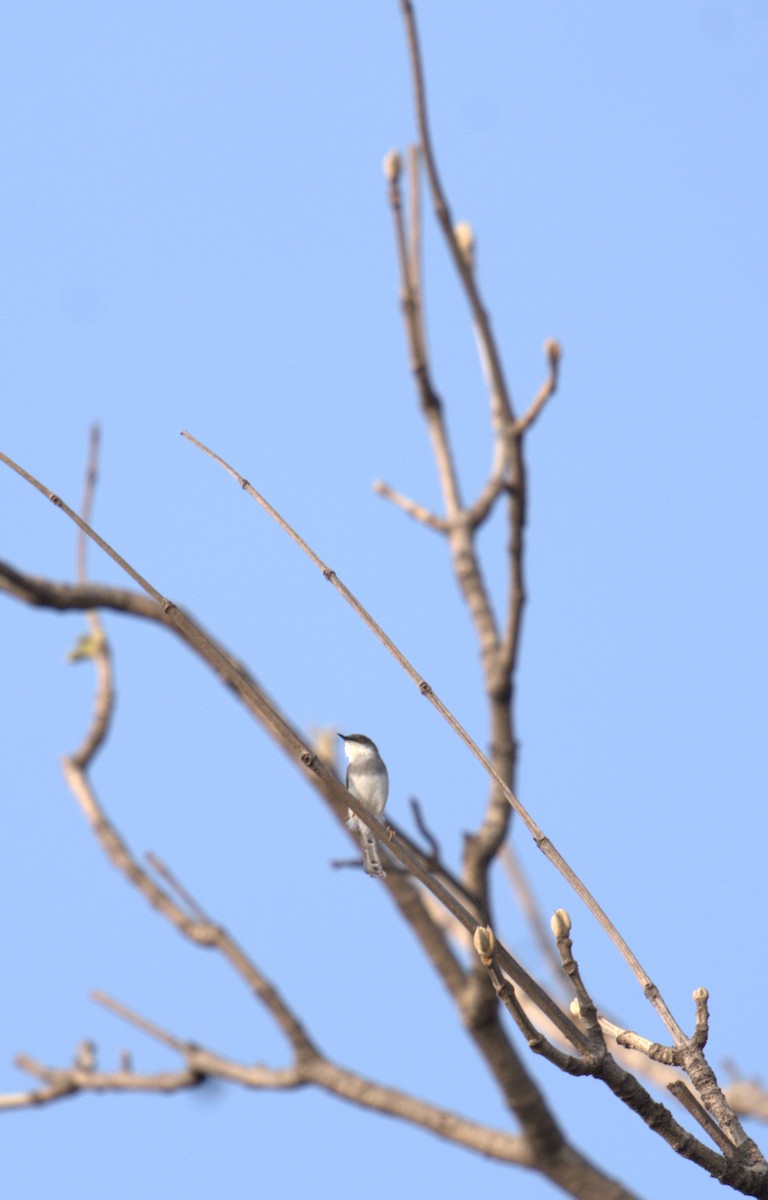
{"x": 450, "y": 912}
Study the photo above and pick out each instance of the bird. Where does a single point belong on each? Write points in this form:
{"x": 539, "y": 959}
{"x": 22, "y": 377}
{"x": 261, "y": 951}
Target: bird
{"x": 368, "y": 781}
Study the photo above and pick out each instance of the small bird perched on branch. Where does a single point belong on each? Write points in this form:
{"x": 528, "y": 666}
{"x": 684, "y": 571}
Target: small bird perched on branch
{"x": 368, "y": 781}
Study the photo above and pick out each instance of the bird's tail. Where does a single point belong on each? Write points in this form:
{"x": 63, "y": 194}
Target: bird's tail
{"x": 371, "y": 861}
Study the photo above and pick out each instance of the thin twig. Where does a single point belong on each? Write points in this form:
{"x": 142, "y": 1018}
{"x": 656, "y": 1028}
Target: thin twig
{"x": 97, "y": 648}
{"x": 478, "y": 512}
{"x": 322, "y": 1073}
{"x": 561, "y": 928}
{"x": 628, "y": 1040}
{"x": 165, "y": 873}
{"x": 417, "y": 511}
{"x": 127, "y": 1014}
{"x": 682, "y": 1092}
{"x": 546, "y": 391}
{"x": 443, "y": 212}
{"x": 498, "y": 653}
{"x": 201, "y": 931}
{"x": 531, "y": 911}
{"x": 86, "y": 507}
{"x": 95, "y": 644}
{"x": 120, "y": 856}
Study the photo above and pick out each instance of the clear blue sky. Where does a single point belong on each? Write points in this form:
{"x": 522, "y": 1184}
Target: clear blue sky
{"x": 194, "y": 235}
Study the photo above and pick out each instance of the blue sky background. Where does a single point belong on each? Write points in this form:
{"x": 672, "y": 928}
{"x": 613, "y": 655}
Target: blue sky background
{"x": 194, "y": 235}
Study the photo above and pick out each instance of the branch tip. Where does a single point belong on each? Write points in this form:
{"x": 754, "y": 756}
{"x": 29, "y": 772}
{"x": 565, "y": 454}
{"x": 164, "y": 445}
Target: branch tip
{"x": 392, "y": 166}
{"x": 484, "y": 941}
{"x": 560, "y": 923}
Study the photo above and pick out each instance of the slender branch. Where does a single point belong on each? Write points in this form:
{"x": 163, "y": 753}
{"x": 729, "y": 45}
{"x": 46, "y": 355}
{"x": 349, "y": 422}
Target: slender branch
{"x": 417, "y": 511}
{"x": 60, "y": 1084}
{"x": 414, "y": 326}
{"x": 151, "y": 1028}
{"x": 86, "y": 507}
{"x": 412, "y": 249}
{"x": 203, "y": 1064}
{"x": 201, "y": 932}
{"x": 443, "y": 214}
{"x": 120, "y": 856}
{"x": 564, "y": 1166}
{"x": 459, "y": 529}
{"x": 492, "y": 1143}
{"x": 682, "y": 1092}
{"x": 484, "y": 941}
{"x": 530, "y": 909}
{"x": 93, "y": 645}
{"x": 36, "y": 1097}
{"x": 561, "y": 928}
{"x": 96, "y": 646}
{"x": 166, "y": 874}
{"x": 33, "y": 589}
{"x": 76, "y": 597}
{"x": 546, "y": 391}
{"x": 478, "y": 512}
{"x": 499, "y": 654}
{"x": 628, "y": 1040}
{"x": 465, "y": 561}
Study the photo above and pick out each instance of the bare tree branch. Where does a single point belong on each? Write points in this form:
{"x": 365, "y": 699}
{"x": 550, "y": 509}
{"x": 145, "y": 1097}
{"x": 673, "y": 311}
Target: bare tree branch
{"x": 435, "y": 903}
{"x": 547, "y": 389}
{"x": 530, "y": 909}
{"x": 411, "y": 508}
{"x": 564, "y": 1166}
{"x": 623, "y": 1085}
{"x": 498, "y": 651}
{"x": 86, "y": 507}
{"x": 204, "y": 1065}
{"x": 443, "y": 214}
{"x": 739, "y": 1165}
